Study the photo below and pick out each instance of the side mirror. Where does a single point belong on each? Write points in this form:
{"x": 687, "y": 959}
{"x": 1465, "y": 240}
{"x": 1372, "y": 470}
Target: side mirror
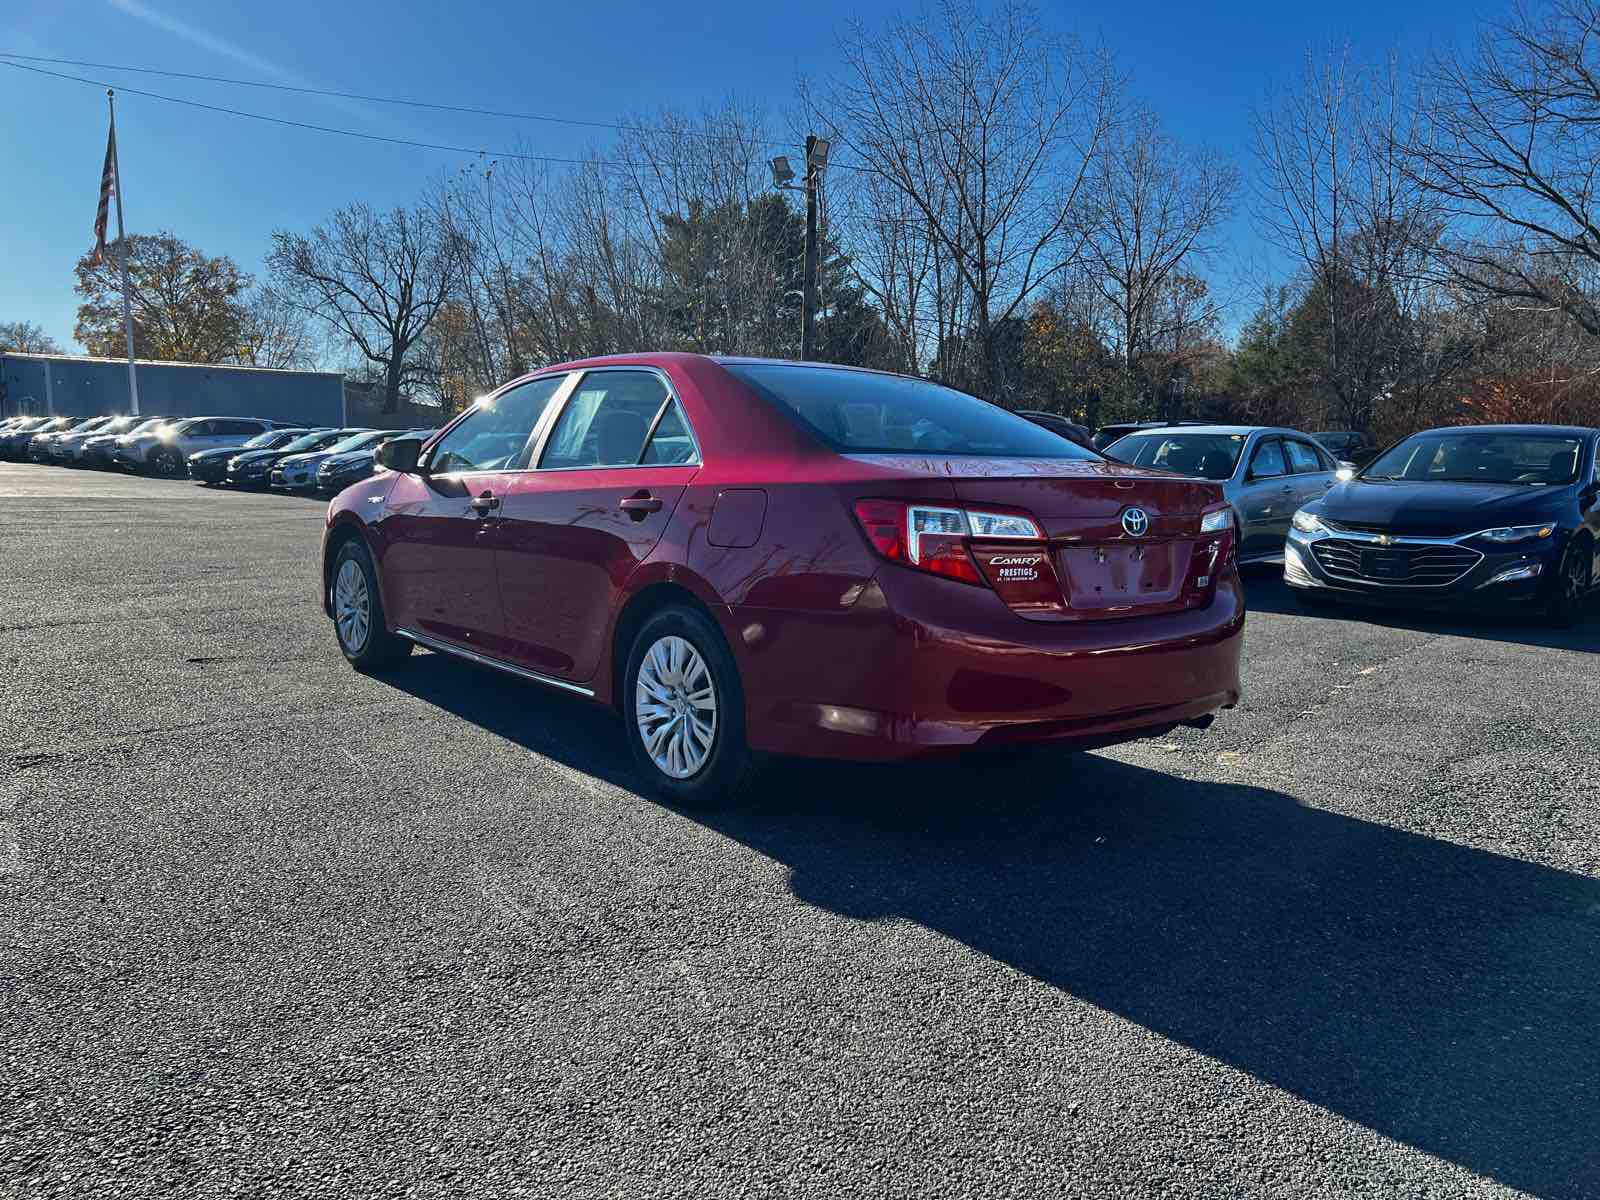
{"x": 1345, "y": 472}
{"x": 400, "y": 454}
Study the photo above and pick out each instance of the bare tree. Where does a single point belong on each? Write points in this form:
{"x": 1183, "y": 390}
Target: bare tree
{"x": 1510, "y": 149}
{"x": 1337, "y": 193}
{"x": 379, "y": 279}
{"x": 1150, "y": 213}
{"x": 26, "y": 337}
{"x": 987, "y": 125}
{"x": 273, "y": 332}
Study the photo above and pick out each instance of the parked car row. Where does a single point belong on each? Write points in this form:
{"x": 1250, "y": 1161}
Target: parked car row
{"x": 234, "y": 451}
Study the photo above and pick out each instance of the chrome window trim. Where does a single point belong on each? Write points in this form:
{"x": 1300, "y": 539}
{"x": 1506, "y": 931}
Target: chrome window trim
{"x": 485, "y": 660}
{"x": 557, "y": 400}
{"x": 672, "y": 398}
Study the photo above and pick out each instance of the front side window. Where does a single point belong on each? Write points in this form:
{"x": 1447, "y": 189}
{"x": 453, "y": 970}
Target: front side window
{"x": 1268, "y": 461}
{"x": 1202, "y": 455}
{"x": 1474, "y": 457}
{"x": 607, "y": 420}
{"x": 864, "y": 412}
{"x": 493, "y": 436}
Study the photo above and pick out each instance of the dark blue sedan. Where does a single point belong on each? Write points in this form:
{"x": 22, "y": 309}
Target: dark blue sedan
{"x": 1488, "y": 516}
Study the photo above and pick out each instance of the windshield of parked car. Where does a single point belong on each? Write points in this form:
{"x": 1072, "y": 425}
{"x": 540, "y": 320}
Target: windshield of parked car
{"x": 1480, "y": 457}
{"x": 360, "y": 441}
{"x": 269, "y": 439}
{"x": 315, "y": 440}
{"x": 150, "y": 425}
{"x": 862, "y": 412}
{"x": 120, "y": 425}
{"x": 1206, "y": 455}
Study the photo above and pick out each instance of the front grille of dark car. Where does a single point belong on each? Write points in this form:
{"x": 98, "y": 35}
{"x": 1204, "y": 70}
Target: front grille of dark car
{"x": 1425, "y": 565}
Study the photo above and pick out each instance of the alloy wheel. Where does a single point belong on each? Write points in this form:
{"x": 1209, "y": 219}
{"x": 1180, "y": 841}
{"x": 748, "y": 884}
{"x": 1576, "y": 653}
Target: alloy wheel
{"x": 352, "y": 607}
{"x": 1575, "y": 580}
{"x": 675, "y": 707}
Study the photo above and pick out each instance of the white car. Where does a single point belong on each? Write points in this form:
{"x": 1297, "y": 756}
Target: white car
{"x": 165, "y": 450}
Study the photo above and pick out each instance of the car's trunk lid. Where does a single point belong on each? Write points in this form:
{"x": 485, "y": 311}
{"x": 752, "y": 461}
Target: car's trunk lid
{"x": 1120, "y": 541}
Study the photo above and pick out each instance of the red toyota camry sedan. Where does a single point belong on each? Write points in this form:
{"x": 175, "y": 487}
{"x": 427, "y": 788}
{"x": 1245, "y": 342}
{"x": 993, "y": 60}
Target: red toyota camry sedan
{"x": 747, "y": 556}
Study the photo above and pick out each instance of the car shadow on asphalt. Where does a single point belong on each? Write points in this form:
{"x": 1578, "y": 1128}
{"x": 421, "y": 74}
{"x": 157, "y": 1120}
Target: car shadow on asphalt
{"x": 1265, "y": 591}
{"x": 1440, "y": 995}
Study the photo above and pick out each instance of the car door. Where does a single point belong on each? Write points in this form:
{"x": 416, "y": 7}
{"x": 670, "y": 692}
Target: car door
{"x": 1267, "y": 499}
{"x": 198, "y": 436}
{"x": 611, "y": 469}
{"x": 439, "y": 525}
{"x": 1312, "y": 470}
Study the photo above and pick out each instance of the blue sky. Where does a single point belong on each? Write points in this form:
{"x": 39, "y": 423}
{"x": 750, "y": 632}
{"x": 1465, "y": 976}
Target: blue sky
{"x": 224, "y": 183}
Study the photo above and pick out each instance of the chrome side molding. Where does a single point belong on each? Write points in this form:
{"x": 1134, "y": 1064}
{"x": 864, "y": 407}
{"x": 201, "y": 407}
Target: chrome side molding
{"x": 484, "y": 660}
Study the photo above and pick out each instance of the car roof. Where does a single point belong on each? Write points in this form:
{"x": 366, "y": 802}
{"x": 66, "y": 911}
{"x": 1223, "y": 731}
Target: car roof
{"x": 1559, "y": 430}
{"x": 1231, "y": 430}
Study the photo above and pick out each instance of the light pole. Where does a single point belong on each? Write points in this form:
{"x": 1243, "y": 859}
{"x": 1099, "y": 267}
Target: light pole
{"x": 782, "y": 173}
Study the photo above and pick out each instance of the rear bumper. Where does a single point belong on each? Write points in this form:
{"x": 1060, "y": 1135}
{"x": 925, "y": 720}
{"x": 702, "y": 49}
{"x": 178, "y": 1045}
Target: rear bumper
{"x": 922, "y": 667}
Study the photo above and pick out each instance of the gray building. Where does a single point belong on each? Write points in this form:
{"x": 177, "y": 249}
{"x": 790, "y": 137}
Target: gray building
{"x": 73, "y": 385}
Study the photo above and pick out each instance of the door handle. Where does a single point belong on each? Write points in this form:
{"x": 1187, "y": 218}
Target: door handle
{"x": 640, "y": 505}
{"x": 485, "y": 503}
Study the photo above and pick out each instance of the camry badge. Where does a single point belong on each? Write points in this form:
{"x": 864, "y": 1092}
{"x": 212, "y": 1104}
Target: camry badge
{"x": 1135, "y": 522}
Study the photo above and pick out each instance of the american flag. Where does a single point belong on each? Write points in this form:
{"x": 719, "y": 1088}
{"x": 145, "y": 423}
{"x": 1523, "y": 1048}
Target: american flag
{"x": 108, "y": 184}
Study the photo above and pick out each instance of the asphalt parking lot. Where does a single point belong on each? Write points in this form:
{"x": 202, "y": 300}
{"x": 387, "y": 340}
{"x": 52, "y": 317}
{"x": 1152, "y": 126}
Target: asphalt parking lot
{"x": 269, "y": 926}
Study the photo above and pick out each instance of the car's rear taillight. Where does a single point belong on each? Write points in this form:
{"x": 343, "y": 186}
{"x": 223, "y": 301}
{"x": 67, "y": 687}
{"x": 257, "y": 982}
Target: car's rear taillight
{"x": 935, "y": 538}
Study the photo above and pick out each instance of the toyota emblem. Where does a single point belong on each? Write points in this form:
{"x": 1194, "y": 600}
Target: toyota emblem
{"x": 1135, "y": 522}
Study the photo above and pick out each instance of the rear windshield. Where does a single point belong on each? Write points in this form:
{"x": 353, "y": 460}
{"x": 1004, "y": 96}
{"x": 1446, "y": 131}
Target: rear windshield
{"x": 1206, "y": 455}
{"x": 860, "y": 412}
{"x": 1476, "y": 457}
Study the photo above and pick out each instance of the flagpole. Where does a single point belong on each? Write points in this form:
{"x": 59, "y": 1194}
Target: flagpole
{"x": 122, "y": 241}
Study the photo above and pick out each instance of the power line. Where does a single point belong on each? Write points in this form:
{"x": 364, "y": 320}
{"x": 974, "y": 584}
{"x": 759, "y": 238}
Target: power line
{"x": 371, "y": 137}
{"x": 467, "y": 109}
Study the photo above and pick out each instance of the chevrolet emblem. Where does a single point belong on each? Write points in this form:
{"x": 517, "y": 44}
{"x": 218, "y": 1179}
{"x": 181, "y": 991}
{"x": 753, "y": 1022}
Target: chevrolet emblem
{"x": 1385, "y": 539}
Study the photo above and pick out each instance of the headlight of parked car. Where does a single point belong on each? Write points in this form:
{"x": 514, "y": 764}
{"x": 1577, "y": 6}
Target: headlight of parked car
{"x": 1306, "y": 522}
{"x": 1516, "y": 533}
{"x": 1216, "y": 522}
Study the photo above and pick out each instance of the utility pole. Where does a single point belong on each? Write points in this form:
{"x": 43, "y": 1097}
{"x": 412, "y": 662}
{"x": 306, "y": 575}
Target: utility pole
{"x": 808, "y": 325}
{"x": 782, "y": 173}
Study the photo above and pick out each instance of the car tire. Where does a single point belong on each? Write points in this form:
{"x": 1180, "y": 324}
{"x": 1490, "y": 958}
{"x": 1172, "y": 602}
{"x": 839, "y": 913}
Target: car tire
{"x": 1570, "y": 588}
{"x": 358, "y": 621}
{"x": 166, "y": 463}
{"x": 679, "y": 660}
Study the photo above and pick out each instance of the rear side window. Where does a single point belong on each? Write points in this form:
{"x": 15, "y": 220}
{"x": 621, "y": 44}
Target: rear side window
{"x": 1303, "y": 459}
{"x": 606, "y": 421}
{"x": 670, "y": 444}
{"x": 862, "y": 412}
